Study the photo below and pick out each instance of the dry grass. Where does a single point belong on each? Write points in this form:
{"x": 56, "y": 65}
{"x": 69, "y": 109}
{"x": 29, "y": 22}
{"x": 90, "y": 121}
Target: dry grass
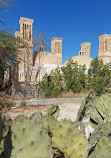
{"x": 70, "y": 94}
{"x": 42, "y": 96}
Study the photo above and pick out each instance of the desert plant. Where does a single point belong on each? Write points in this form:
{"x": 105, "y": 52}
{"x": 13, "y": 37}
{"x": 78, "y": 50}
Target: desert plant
{"x": 67, "y": 137}
{"x": 28, "y": 136}
{"x": 98, "y": 110}
{"x": 52, "y": 84}
{"x": 7, "y": 103}
{"x": 32, "y": 141}
{"x": 99, "y": 76}
{"x": 23, "y": 103}
{"x": 71, "y": 77}
{"x": 74, "y": 76}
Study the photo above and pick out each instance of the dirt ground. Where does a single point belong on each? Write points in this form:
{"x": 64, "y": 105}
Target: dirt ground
{"x": 67, "y": 110}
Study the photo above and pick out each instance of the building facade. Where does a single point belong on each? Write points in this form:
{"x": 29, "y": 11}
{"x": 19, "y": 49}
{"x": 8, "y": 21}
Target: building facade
{"x": 45, "y": 62}
{"x": 83, "y": 57}
{"x": 105, "y": 48}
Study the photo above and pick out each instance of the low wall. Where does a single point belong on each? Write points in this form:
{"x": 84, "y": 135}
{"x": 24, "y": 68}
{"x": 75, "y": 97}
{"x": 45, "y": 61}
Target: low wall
{"x": 49, "y": 101}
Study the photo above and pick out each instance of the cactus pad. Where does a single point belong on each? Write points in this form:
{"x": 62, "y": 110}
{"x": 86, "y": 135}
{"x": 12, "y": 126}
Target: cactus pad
{"x": 67, "y": 137}
{"x": 30, "y": 140}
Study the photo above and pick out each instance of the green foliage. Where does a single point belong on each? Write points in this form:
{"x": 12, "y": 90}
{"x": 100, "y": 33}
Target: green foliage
{"x": 52, "y": 84}
{"x": 7, "y": 103}
{"x": 70, "y": 77}
{"x": 8, "y": 51}
{"x": 99, "y": 76}
{"x": 23, "y": 103}
{"x": 74, "y": 76}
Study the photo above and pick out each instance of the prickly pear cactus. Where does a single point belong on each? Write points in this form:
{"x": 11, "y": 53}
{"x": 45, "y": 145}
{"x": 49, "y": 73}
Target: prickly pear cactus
{"x": 96, "y": 135}
{"x": 53, "y": 111}
{"x": 106, "y": 131}
{"x": 98, "y": 110}
{"x": 7, "y": 145}
{"x": 1, "y": 146}
{"x": 67, "y": 137}
{"x": 30, "y": 140}
{"x": 101, "y": 110}
{"x": 100, "y": 140}
{"x": 4, "y": 129}
{"x": 89, "y": 100}
{"x": 21, "y": 117}
{"x": 103, "y": 106}
{"x": 103, "y": 148}
{"x": 37, "y": 116}
{"x": 1, "y": 129}
{"x": 91, "y": 156}
{"x": 48, "y": 122}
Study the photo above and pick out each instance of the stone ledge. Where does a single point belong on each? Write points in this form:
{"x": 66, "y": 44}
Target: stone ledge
{"x": 49, "y": 101}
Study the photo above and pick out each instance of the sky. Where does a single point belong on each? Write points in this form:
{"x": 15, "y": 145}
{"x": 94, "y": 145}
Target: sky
{"x": 76, "y": 21}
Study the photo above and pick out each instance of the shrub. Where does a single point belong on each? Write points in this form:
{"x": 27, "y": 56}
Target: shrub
{"x": 99, "y": 76}
{"x": 74, "y": 77}
{"x": 23, "y": 103}
{"x": 6, "y": 103}
{"x": 52, "y": 84}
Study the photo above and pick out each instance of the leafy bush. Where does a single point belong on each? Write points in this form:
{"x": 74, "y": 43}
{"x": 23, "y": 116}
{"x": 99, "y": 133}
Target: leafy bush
{"x": 6, "y": 104}
{"x": 99, "y": 76}
{"x": 52, "y": 84}
{"x": 74, "y": 76}
{"x": 23, "y": 103}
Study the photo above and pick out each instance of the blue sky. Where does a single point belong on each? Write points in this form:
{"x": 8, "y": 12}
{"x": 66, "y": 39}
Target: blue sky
{"x": 75, "y": 21}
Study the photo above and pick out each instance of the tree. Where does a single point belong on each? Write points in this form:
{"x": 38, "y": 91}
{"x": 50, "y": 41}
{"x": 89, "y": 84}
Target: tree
{"x": 7, "y": 46}
{"x": 8, "y": 51}
{"x": 70, "y": 77}
{"x": 39, "y": 44}
{"x": 74, "y": 76}
{"x": 4, "y": 4}
{"x": 99, "y": 76}
{"x": 52, "y": 85}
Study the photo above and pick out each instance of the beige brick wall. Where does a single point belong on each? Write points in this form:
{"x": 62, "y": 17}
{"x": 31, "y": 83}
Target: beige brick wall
{"x": 56, "y": 47}
{"x": 105, "y": 48}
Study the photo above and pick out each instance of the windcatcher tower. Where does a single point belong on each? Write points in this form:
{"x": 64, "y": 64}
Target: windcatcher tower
{"x": 85, "y": 49}
{"x": 105, "y": 48}
{"x": 25, "y": 54}
{"x": 56, "y": 47}
{"x": 26, "y": 29}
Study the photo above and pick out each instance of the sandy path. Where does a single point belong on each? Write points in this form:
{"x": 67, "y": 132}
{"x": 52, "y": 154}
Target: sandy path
{"x": 67, "y": 110}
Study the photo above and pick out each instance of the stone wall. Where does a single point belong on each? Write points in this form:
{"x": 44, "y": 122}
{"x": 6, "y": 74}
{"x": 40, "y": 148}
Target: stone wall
{"x": 49, "y": 101}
